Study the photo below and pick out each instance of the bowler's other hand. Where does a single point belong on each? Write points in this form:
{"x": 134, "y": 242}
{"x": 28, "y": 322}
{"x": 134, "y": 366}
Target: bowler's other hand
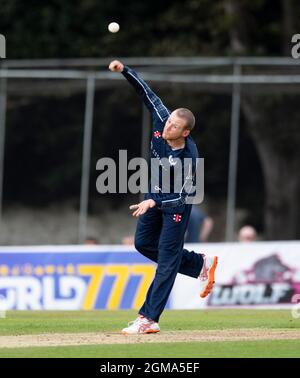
{"x": 116, "y": 66}
{"x": 142, "y": 207}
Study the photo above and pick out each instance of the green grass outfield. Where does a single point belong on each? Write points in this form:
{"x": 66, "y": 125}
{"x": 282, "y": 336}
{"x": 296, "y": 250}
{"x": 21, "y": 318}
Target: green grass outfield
{"x": 31, "y": 322}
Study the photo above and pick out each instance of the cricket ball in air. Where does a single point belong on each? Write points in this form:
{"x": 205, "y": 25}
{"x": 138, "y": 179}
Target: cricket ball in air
{"x": 113, "y": 27}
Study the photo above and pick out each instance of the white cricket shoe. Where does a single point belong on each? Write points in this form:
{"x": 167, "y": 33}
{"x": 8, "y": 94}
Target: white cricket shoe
{"x": 141, "y": 325}
{"x": 207, "y": 274}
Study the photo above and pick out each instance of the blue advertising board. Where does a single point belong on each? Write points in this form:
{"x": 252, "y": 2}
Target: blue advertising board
{"x": 73, "y": 278}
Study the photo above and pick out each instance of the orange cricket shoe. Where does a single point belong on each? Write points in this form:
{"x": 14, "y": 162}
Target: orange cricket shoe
{"x": 207, "y": 274}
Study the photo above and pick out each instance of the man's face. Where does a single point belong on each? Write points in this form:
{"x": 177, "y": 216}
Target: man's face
{"x": 175, "y": 128}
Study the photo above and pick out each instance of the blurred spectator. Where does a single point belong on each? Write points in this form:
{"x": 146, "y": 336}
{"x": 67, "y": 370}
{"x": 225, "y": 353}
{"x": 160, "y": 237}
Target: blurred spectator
{"x": 91, "y": 240}
{"x": 247, "y": 234}
{"x": 199, "y": 227}
{"x": 128, "y": 240}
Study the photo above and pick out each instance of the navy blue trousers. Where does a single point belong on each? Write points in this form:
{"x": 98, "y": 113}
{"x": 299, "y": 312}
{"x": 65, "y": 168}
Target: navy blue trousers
{"x": 160, "y": 237}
